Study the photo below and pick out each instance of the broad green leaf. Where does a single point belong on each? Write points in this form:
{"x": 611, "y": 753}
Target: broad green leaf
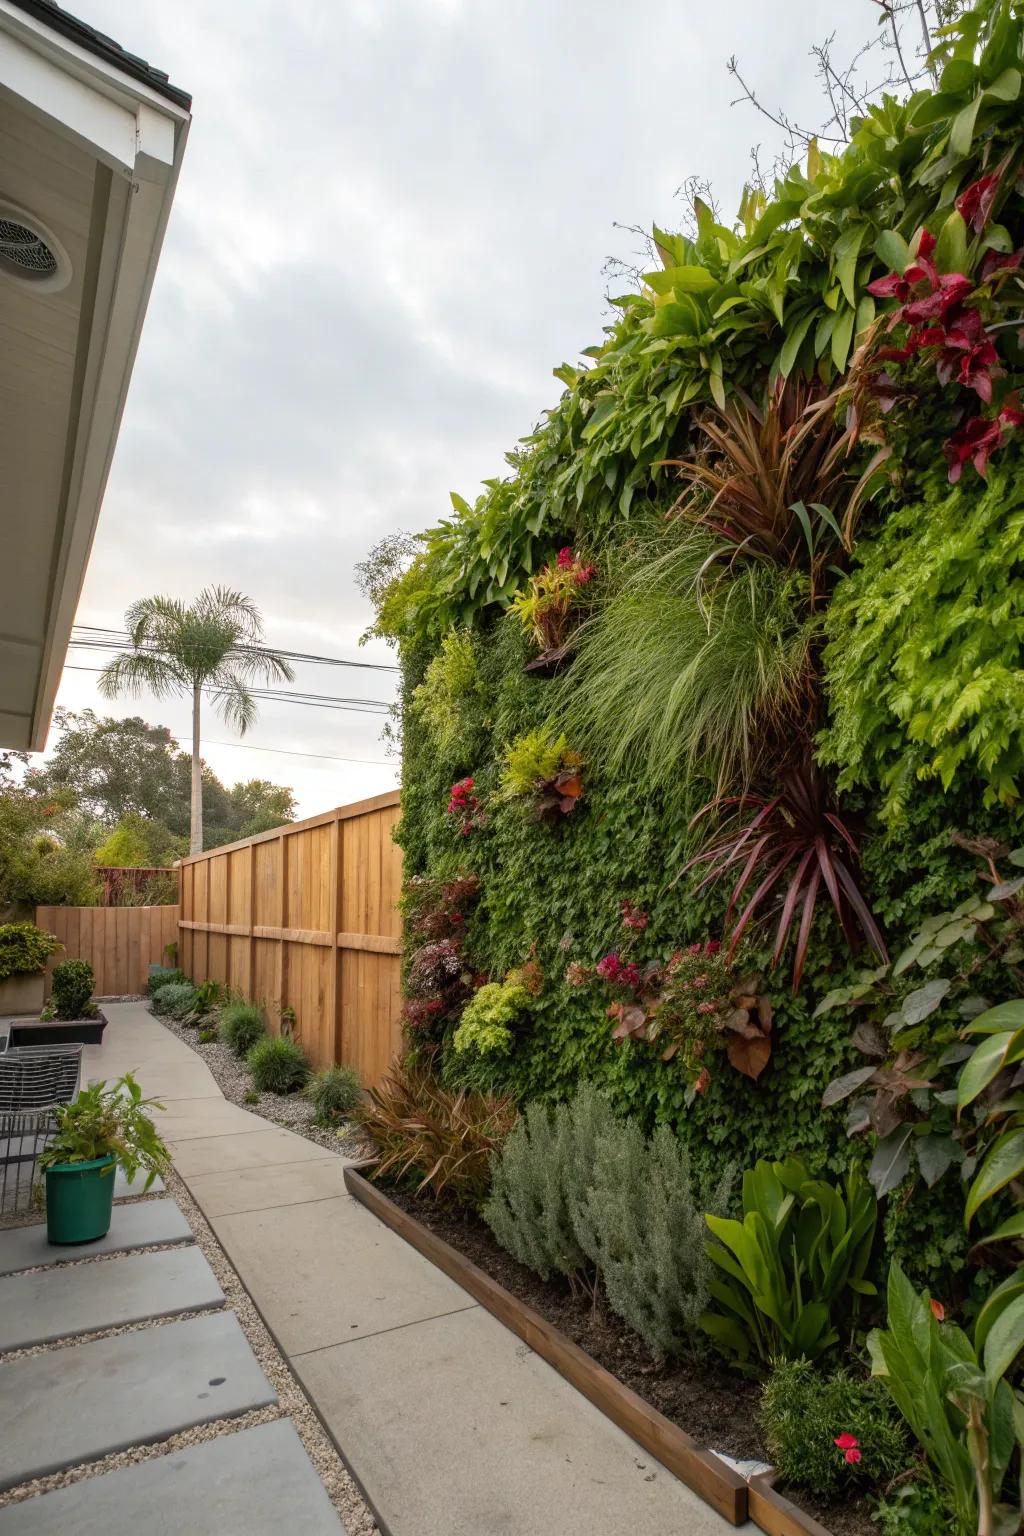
{"x": 841, "y": 1087}
{"x": 934, "y": 1156}
{"x": 1012, "y": 1227}
{"x": 1006, "y": 87}
{"x": 995, "y": 1305}
{"x": 962, "y": 131}
{"x": 1005, "y": 1341}
{"x": 790, "y": 349}
{"x": 842, "y": 335}
{"x": 923, "y": 1002}
{"x": 891, "y": 1162}
{"x": 893, "y": 250}
{"x": 1004, "y": 1161}
{"x": 844, "y": 259}
{"x": 1002, "y": 1016}
{"x": 951, "y": 245}
{"x": 988, "y": 1060}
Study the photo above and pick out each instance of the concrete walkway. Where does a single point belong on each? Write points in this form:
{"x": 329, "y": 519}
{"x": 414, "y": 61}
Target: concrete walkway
{"x": 452, "y": 1426}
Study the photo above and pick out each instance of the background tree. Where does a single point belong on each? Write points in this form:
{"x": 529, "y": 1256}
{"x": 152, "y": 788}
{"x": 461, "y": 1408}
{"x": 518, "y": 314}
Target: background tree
{"x": 214, "y": 645}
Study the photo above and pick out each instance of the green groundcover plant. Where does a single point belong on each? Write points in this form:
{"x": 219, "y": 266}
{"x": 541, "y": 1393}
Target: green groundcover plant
{"x": 278, "y": 1065}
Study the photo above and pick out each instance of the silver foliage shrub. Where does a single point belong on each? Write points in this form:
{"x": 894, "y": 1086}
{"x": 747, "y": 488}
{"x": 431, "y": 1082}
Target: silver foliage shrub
{"x": 541, "y": 1181}
{"x": 579, "y": 1193}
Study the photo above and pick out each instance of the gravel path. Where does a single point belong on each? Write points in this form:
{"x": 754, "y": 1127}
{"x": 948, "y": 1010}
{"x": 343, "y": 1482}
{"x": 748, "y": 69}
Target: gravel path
{"x": 292, "y": 1110}
{"x": 292, "y": 1404}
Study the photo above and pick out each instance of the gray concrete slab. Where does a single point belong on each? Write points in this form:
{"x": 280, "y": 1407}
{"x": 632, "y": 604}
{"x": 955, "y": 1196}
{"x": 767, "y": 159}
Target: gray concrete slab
{"x": 258, "y": 1482}
{"x": 132, "y": 1226}
{"x": 68, "y": 1406}
{"x": 182, "y": 1080}
{"x": 256, "y": 1189}
{"x": 497, "y": 1442}
{"x": 329, "y": 1271}
{"x": 186, "y": 1119}
{"x": 123, "y": 1188}
{"x": 69, "y": 1299}
{"x": 255, "y": 1149}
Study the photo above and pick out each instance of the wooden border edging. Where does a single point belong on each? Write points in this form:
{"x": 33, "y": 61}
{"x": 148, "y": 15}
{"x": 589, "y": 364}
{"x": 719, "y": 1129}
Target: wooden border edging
{"x": 776, "y": 1514}
{"x": 701, "y": 1470}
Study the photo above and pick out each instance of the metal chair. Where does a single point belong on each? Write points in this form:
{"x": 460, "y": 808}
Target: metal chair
{"x": 33, "y": 1080}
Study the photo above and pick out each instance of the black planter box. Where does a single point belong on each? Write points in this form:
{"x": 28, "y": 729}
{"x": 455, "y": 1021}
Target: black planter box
{"x": 57, "y": 1031}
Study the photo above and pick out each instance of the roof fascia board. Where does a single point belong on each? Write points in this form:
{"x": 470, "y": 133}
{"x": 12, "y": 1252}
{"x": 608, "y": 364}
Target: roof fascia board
{"x": 100, "y": 125}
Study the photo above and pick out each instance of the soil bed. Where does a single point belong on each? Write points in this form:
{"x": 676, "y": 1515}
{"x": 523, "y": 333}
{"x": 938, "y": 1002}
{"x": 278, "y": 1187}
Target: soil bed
{"x": 717, "y": 1407}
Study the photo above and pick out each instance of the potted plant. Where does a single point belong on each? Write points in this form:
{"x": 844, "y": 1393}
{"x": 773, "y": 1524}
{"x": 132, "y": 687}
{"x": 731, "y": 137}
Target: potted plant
{"x": 24, "y": 951}
{"x": 104, "y": 1129}
{"x": 70, "y": 1016}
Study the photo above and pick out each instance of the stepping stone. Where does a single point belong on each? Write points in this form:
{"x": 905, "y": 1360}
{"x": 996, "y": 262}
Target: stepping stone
{"x": 122, "y": 1188}
{"x": 64, "y": 1300}
{"x": 133, "y": 1226}
{"x": 76, "y": 1404}
{"x": 257, "y": 1482}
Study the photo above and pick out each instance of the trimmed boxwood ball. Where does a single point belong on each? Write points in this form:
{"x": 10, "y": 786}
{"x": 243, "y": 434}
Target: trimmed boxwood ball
{"x": 334, "y": 1093}
{"x": 241, "y": 1025}
{"x": 72, "y": 988}
{"x": 278, "y": 1065}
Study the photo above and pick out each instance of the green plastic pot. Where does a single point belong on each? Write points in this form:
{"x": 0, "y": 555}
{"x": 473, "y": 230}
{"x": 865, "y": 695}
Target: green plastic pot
{"x": 79, "y": 1200}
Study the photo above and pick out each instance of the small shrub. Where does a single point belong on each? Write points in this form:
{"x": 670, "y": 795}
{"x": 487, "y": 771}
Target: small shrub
{"x": 485, "y": 1026}
{"x": 915, "y": 1508}
{"x": 803, "y": 1412}
{"x": 24, "y": 949}
{"x": 162, "y": 976}
{"x": 210, "y": 994}
{"x": 241, "y": 1025}
{"x": 541, "y": 1179}
{"x": 173, "y": 998}
{"x": 277, "y": 1065}
{"x": 334, "y": 1093}
{"x": 207, "y": 1036}
{"x": 443, "y": 1138}
{"x": 72, "y": 989}
{"x": 250, "y": 1096}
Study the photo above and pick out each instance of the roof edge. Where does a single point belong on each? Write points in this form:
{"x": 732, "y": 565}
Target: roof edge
{"x": 102, "y": 47}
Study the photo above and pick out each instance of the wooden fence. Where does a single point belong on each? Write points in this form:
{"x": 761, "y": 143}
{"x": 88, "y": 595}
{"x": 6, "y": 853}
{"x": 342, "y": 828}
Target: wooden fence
{"x": 120, "y": 943}
{"x": 306, "y": 918}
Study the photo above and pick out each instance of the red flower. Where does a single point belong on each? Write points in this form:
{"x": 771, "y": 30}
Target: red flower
{"x": 695, "y": 949}
{"x": 584, "y": 574}
{"x": 629, "y": 975}
{"x": 634, "y": 917}
{"x": 852, "y": 1456}
{"x": 565, "y": 558}
{"x": 609, "y": 967}
{"x": 938, "y": 1310}
{"x": 974, "y": 204}
{"x": 703, "y": 1082}
{"x": 846, "y": 1442}
{"x": 712, "y": 947}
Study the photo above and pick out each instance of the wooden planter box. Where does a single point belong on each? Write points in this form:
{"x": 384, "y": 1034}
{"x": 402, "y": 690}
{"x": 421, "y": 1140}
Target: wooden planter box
{"x": 22, "y": 994}
{"x": 58, "y": 1031}
{"x": 707, "y": 1474}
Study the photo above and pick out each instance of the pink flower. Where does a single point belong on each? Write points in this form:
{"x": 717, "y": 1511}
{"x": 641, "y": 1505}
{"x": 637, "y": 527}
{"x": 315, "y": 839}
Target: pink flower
{"x": 700, "y": 981}
{"x": 634, "y": 917}
{"x": 629, "y": 975}
{"x": 584, "y": 573}
{"x": 852, "y": 1455}
{"x": 846, "y": 1442}
{"x": 565, "y": 558}
{"x": 695, "y": 949}
{"x": 712, "y": 947}
{"x": 609, "y": 966}
{"x": 706, "y": 1007}
{"x": 576, "y": 974}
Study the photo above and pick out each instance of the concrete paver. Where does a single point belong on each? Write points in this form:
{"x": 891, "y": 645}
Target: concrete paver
{"x": 68, "y": 1406}
{"x": 124, "y": 1188}
{"x": 255, "y": 1149}
{"x": 258, "y": 1482}
{"x": 68, "y": 1299}
{"x": 329, "y": 1271}
{"x": 188, "y": 1119}
{"x": 132, "y": 1226}
{"x": 496, "y": 1441}
{"x": 255, "y": 1189}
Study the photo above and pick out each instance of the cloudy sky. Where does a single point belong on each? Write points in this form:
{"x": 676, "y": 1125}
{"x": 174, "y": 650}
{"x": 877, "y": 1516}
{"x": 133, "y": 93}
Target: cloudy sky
{"x": 390, "y": 226}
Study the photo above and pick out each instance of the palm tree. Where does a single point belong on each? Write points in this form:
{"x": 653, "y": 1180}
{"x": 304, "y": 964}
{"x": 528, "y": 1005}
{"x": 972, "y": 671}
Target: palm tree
{"x": 215, "y": 645}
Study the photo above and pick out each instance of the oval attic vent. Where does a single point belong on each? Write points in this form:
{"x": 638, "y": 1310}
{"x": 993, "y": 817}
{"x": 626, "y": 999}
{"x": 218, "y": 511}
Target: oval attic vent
{"x": 22, "y": 248}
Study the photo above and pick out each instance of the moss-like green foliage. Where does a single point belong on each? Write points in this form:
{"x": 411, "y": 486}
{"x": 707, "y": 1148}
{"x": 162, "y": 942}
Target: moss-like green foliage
{"x": 241, "y": 1025}
{"x": 486, "y": 1023}
{"x": 804, "y": 1411}
{"x": 334, "y": 1093}
{"x": 24, "y": 949}
{"x": 278, "y": 1065}
{"x": 444, "y": 700}
{"x": 925, "y": 666}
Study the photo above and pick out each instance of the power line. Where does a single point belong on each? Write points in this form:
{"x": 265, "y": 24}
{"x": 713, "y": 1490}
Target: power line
{"x": 92, "y": 637}
{"x": 361, "y": 706}
{"x": 246, "y": 746}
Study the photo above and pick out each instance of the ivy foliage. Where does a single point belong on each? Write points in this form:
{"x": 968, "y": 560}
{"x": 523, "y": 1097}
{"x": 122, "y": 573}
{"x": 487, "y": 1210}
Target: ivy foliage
{"x": 925, "y": 661}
